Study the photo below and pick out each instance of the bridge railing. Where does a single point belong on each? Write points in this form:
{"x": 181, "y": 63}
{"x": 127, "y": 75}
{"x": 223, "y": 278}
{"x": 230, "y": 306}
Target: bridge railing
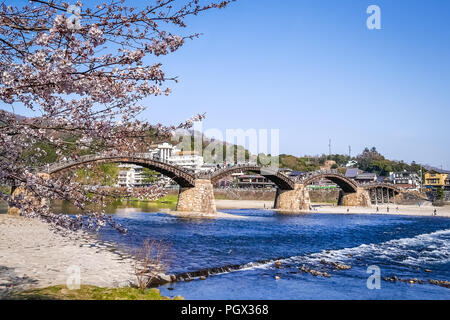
{"x": 92, "y": 157}
{"x": 375, "y": 184}
{"x": 71, "y": 161}
{"x": 226, "y": 168}
{"x": 316, "y": 173}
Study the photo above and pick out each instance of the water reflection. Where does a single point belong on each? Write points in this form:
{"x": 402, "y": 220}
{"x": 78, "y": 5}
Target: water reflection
{"x": 122, "y": 208}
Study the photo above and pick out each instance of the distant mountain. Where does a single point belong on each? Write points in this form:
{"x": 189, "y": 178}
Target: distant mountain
{"x": 17, "y": 116}
{"x": 428, "y": 168}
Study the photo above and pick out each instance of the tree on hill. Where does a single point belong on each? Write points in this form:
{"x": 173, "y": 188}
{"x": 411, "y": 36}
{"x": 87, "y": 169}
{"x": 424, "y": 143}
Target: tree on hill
{"x": 371, "y": 160}
{"x": 298, "y": 164}
{"x": 366, "y": 157}
{"x": 340, "y": 159}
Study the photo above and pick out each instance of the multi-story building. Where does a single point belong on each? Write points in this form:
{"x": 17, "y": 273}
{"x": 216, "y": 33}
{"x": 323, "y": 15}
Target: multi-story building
{"x": 254, "y": 182}
{"x": 187, "y": 159}
{"x": 133, "y": 177}
{"x": 405, "y": 179}
{"x": 436, "y": 178}
{"x": 162, "y": 152}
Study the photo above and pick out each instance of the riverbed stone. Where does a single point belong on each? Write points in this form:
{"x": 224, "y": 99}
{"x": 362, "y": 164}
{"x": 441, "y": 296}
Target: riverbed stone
{"x": 197, "y": 199}
{"x": 293, "y": 201}
{"x": 360, "y": 198}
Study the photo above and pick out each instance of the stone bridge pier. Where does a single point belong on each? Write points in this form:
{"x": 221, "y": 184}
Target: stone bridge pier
{"x": 197, "y": 199}
{"x": 359, "y": 198}
{"x": 20, "y": 192}
{"x": 293, "y": 200}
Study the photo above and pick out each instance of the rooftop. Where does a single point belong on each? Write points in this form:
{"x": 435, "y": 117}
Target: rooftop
{"x": 366, "y": 175}
{"x": 352, "y": 172}
{"x": 439, "y": 171}
{"x": 296, "y": 173}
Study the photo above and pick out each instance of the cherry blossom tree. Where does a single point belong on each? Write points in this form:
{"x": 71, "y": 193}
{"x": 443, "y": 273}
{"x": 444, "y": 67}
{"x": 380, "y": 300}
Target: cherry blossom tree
{"x": 81, "y": 71}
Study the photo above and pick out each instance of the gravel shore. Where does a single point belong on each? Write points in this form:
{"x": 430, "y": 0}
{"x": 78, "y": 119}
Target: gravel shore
{"x": 407, "y": 210}
{"x": 32, "y": 255}
{"x": 425, "y": 209}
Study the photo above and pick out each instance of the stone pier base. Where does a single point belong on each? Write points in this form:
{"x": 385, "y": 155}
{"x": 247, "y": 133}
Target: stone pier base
{"x": 398, "y": 198}
{"x": 20, "y": 192}
{"x": 198, "y": 199}
{"x": 360, "y": 198}
{"x": 293, "y": 200}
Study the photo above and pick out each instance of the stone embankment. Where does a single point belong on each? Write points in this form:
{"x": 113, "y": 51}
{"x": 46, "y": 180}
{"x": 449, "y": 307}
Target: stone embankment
{"x": 321, "y": 196}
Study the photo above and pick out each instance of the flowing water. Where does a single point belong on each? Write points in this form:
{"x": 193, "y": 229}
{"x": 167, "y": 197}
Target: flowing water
{"x": 241, "y": 256}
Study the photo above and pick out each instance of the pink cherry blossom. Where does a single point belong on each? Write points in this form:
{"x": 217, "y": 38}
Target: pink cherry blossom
{"x": 84, "y": 83}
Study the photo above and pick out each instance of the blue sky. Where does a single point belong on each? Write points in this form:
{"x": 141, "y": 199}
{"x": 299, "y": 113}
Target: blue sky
{"x": 313, "y": 70}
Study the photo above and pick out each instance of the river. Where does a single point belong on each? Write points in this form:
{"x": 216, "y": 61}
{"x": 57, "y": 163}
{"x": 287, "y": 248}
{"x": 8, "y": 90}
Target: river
{"x": 404, "y": 246}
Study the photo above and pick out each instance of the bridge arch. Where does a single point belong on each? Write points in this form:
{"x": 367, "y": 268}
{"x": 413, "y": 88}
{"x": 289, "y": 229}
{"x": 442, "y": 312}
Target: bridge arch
{"x": 281, "y": 181}
{"x": 180, "y": 176}
{"x": 393, "y": 187}
{"x": 347, "y": 185}
{"x": 383, "y": 193}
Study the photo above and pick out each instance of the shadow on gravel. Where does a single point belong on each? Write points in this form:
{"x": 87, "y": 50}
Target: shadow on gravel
{"x": 11, "y": 283}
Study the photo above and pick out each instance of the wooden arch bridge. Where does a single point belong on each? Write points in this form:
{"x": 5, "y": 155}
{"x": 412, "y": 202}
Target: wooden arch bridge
{"x": 197, "y": 195}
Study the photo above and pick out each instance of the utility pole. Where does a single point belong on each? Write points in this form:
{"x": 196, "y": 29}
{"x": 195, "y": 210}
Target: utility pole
{"x": 349, "y": 151}
{"x": 421, "y": 182}
{"x": 329, "y": 147}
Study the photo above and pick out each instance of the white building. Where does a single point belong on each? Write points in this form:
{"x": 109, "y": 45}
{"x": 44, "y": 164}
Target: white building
{"x": 189, "y": 160}
{"x": 351, "y": 163}
{"x": 165, "y": 152}
{"x": 133, "y": 177}
{"x": 405, "y": 179}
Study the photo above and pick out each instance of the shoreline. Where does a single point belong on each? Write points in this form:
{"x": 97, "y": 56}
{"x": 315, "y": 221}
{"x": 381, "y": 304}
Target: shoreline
{"x": 32, "y": 255}
{"x": 403, "y": 210}
{"x": 244, "y": 204}
{"x": 407, "y": 210}
{"x": 199, "y": 215}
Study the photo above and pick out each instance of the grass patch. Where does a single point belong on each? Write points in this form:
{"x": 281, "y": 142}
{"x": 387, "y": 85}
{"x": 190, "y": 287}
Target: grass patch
{"x": 87, "y": 292}
{"x": 5, "y": 189}
{"x": 170, "y": 199}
